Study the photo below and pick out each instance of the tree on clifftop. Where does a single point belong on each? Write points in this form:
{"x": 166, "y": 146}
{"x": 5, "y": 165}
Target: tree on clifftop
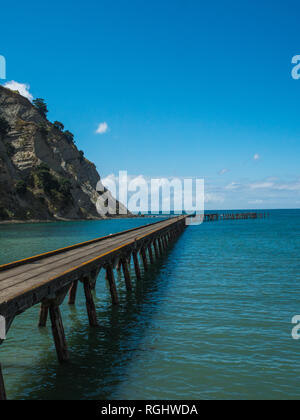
{"x": 41, "y": 106}
{"x": 59, "y": 125}
{"x": 69, "y": 136}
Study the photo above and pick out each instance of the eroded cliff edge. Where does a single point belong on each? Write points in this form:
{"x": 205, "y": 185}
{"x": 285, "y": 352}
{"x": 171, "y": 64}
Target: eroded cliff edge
{"x": 43, "y": 176}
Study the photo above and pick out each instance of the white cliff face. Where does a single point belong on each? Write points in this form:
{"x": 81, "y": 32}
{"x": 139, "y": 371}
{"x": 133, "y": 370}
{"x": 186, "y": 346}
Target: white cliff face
{"x": 42, "y": 174}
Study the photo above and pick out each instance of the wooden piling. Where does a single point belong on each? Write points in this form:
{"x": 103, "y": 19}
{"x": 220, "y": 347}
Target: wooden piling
{"x": 73, "y": 292}
{"x": 90, "y": 305}
{"x": 165, "y": 242}
{"x": 2, "y": 387}
{"x": 144, "y": 258}
{"x": 160, "y": 245}
{"x": 119, "y": 265}
{"x": 93, "y": 278}
{"x": 126, "y": 274}
{"x": 167, "y": 239}
{"x": 112, "y": 284}
{"x": 43, "y": 315}
{"x": 136, "y": 265}
{"x": 150, "y": 254}
{"x": 155, "y": 249}
{"x": 58, "y": 334}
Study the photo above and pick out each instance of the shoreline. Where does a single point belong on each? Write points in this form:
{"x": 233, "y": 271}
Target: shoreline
{"x": 36, "y": 221}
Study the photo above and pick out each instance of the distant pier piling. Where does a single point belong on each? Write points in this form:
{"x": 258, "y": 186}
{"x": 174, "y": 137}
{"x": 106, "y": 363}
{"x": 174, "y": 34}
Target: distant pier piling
{"x": 215, "y": 217}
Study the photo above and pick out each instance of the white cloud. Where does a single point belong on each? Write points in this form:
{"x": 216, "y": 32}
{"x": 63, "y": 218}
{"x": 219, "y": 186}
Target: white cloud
{"x": 293, "y": 186}
{"x": 22, "y": 88}
{"x": 232, "y": 186}
{"x": 214, "y": 198}
{"x": 223, "y": 171}
{"x": 271, "y": 192}
{"x": 102, "y": 128}
{"x": 256, "y": 156}
{"x": 259, "y": 185}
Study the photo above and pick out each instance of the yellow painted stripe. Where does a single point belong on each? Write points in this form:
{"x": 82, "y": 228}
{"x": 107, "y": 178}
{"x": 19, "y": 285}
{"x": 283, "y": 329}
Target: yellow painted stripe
{"x": 70, "y": 247}
{"x": 94, "y": 259}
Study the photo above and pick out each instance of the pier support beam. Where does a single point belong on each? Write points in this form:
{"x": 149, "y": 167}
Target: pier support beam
{"x": 93, "y": 278}
{"x": 160, "y": 246}
{"x": 73, "y": 292}
{"x": 52, "y": 303}
{"x": 144, "y": 258}
{"x": 58, "y": 333}
{"x": 119, "y": 265}
{"x": 150, "y": 254}
{"x": 43, "y": 315}
{"x": 90, "y": 305}
{"x": 126, "y": 274}
{"x": 112, "y": 284}
{"x": 164, "y": 242}
{"x": 2, "y": 387}
{"x": 136, "y": 265}
{"x": 155, "y": 249}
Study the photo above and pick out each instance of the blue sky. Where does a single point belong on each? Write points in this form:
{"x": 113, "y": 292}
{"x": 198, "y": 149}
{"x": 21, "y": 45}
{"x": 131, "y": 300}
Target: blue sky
{"x": 186, "y": 88}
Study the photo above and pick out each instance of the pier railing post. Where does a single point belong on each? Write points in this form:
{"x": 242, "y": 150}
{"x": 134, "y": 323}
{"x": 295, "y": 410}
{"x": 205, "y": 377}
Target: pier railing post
{"x": 90, "y": 305}
{"x": 112, "y": 284}
{"x": 2, "y": 387}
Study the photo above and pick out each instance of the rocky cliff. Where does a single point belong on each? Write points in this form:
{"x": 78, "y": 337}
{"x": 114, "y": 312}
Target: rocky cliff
{"x": 43, "y": 176}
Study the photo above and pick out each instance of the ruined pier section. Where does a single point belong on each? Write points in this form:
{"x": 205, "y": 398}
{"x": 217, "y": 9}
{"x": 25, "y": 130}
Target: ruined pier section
{"x": 48, "y": 278}
{"x": 215, "y": 217}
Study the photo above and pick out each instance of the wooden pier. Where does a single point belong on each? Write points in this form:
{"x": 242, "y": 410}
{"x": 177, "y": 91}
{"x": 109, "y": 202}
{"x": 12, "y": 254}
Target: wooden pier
{"x": 46, "y": 279}
{"x": 215, "y": 217}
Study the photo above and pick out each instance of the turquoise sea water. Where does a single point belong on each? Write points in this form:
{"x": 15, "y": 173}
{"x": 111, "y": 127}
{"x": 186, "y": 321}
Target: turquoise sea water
{"x": 212, "y": 319}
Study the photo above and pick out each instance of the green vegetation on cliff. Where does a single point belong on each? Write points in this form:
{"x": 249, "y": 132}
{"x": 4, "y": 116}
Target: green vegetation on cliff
{"x": 42, "y": 173}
